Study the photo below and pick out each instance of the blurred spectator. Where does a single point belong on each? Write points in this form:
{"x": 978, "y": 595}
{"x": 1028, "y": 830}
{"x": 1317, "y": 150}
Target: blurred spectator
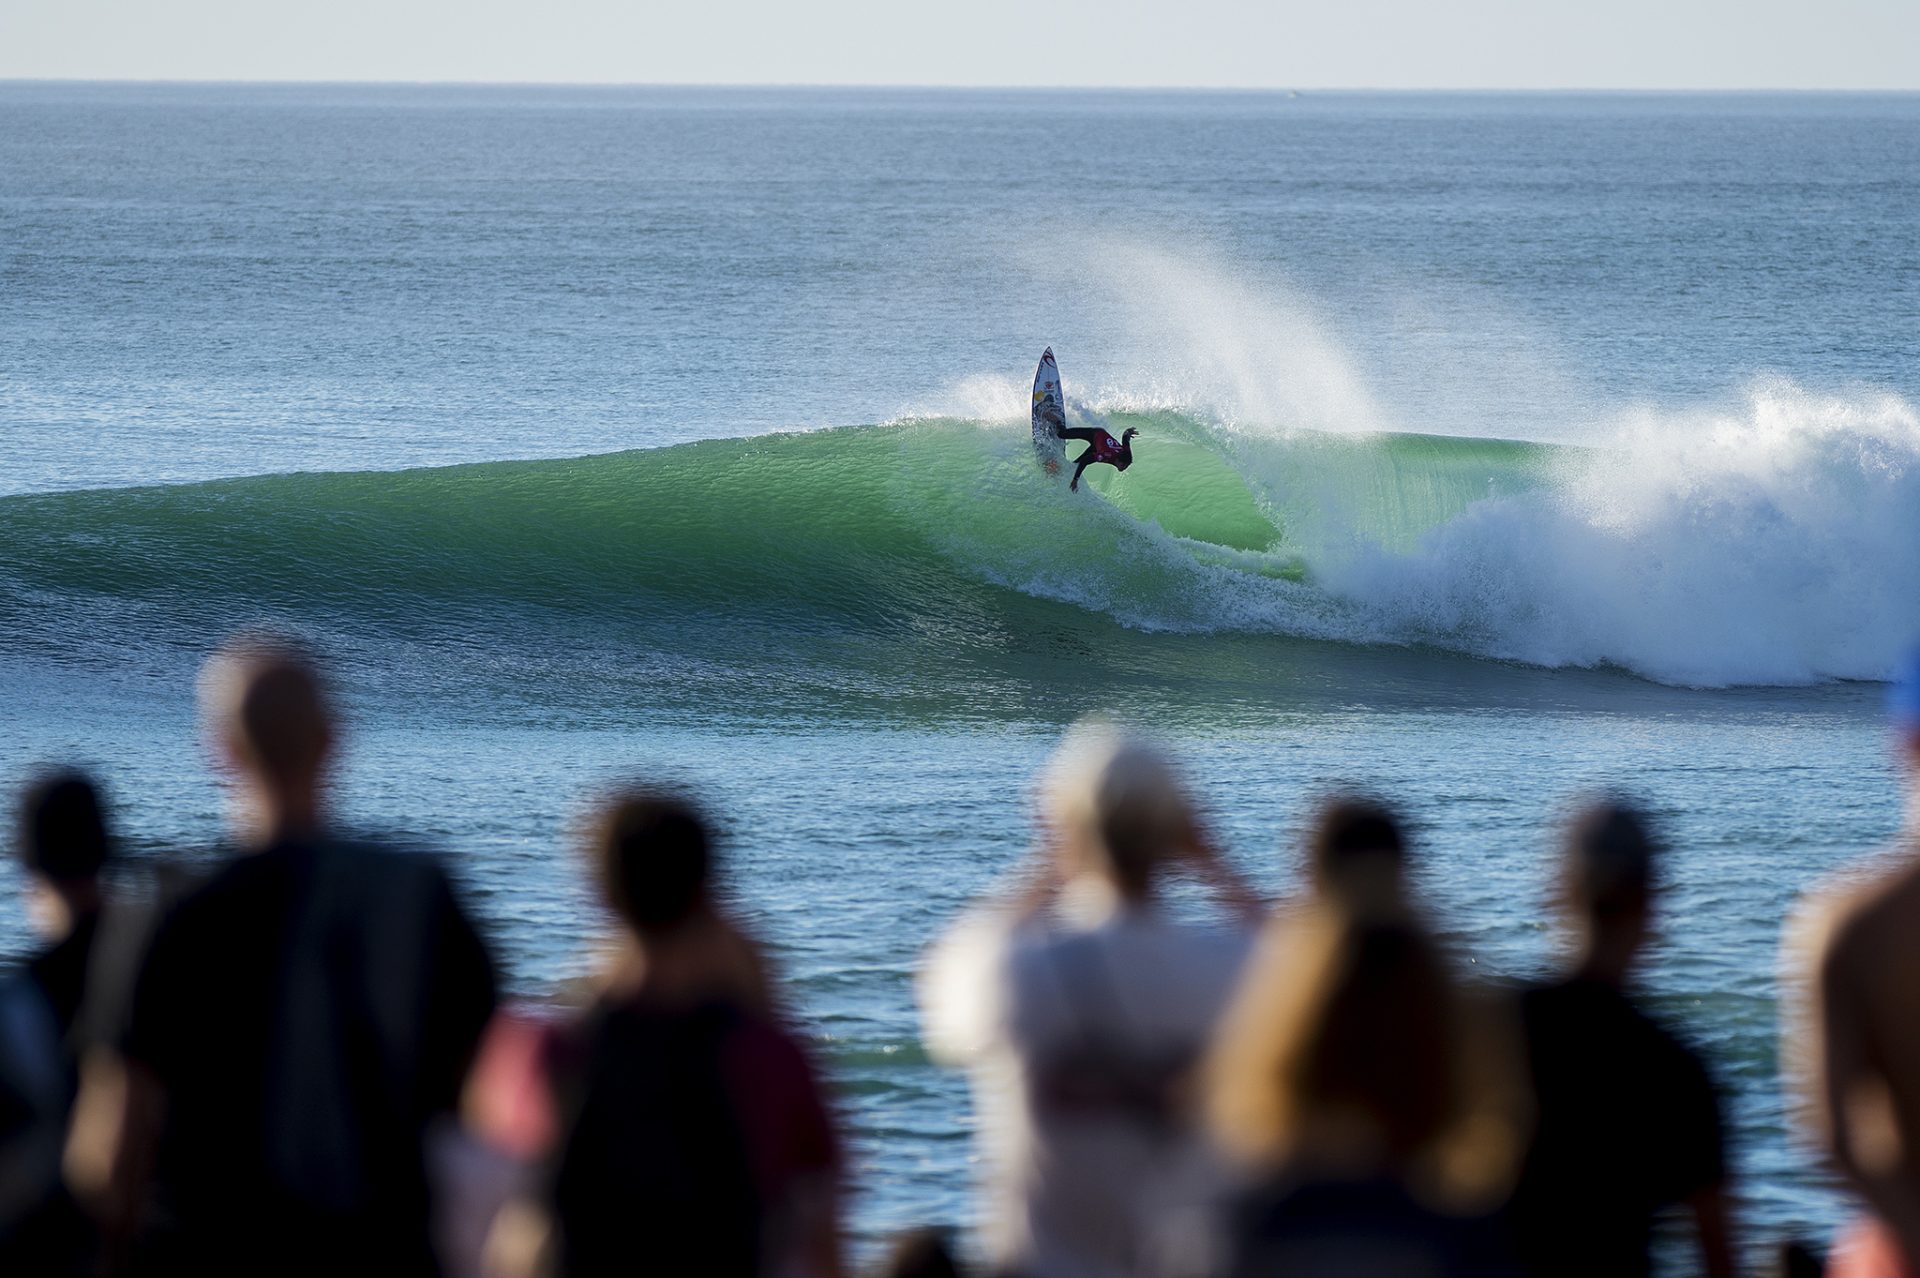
{"x": 1367, "y": 1097}
{"x": 920, "y": 1253}
{"x": 688, "y": 1132}
{"x": 1357, "y": 857}
{"x": 299, "y": 1021}
{"x": 1628, "y": 1122}
{"x": 1082, "y": 1009}
{"x": 63, "y": 845}
{"x": 1853, "y": 1043}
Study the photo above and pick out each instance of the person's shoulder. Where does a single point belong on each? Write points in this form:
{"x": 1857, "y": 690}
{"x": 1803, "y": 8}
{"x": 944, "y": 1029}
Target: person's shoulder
{"x": 1544, "y": 1006}
{"x": 396, "y": 871}
{"x": 390, "y": 855}
{"x": 1860, "y": 914}
{"x": 1606, "y": 1010}
{"x": 1569, "y": 1022}
{"x": 1204, "y": 962}
{"x": 1227, "y": 938}
{"x": 1664, "y": 1038}
{"x": 1569, "y": 995}
{"x": 1212, "y": 950}
{"x": 981, "y": 940}
{"x": 764, "y": 1054}
{"x": 965, "y": 982}
{"x": 200, "y": 891}
{"x": 763, "y": 1037}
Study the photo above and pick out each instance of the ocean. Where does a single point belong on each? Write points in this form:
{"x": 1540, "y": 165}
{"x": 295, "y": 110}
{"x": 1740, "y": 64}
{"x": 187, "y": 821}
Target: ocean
{"x": 1495, "y": 450}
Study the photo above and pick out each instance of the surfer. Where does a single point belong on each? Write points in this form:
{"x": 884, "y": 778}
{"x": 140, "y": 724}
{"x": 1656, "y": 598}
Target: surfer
{"x": 1117, "y": 453}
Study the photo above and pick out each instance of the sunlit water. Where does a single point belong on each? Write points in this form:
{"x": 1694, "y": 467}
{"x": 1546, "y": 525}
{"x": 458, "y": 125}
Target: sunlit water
{"x": 863, "y": 643}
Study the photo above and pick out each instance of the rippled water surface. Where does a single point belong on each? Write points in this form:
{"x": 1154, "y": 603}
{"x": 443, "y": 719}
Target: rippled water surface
{"x": 1495, "y": 450}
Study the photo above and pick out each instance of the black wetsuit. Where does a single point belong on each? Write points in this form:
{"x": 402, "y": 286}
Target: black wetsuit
{"x": 1117, "y": 453}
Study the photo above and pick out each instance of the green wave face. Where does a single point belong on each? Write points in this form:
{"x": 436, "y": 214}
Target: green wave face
{"x": 867, "y": 551}
{"x": 1186, "y": 485}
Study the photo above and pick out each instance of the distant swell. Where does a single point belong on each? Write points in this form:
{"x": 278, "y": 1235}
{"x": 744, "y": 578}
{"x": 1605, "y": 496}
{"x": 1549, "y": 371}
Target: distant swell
{"x": 1776, "y": 545}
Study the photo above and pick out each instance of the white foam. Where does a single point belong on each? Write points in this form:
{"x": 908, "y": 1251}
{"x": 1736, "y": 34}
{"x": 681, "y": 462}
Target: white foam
{"x": 1776, "y": 544}
{"x": 1774, "y": 540}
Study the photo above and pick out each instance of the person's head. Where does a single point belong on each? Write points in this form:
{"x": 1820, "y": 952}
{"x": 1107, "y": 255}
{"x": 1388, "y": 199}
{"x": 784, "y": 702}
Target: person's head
{"x": 62, "y": 841}
{"x": 62, "y": 833}
{"x": 1608, "y": 882}
{"x": 1352, "y": 1051}
{"x": 269, "y": 719}
{"x": 1118, "y": 809}
{"x": 1357, "y": 853}
{"x": 653, "y": 852}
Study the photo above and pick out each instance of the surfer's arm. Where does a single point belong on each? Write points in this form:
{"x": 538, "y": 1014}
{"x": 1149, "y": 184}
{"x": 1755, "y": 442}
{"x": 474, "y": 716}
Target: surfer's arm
{"x": 1079, "y": 468}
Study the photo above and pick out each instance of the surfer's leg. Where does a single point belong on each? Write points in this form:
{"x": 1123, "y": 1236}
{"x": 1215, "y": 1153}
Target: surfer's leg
{"x": 1085, "y": 434}
{"x": 1079, "y": 468}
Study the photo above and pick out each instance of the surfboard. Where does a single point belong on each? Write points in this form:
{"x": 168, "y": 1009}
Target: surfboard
{"x": 1049, "y": 414}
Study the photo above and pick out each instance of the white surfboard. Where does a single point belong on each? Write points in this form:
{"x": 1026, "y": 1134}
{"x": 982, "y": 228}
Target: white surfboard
{"x": 1049, "y": 414}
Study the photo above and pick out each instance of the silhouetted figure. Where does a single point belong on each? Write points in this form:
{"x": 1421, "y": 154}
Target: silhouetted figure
{"x": 1357, "y": 857}
{"x": 1853, "y": 1043}
{"x": 1795, "y": 1259}
{"x": 1368, "y": 1099}
{"x": 692, "y": 1137}
{"x": 1082, "y": 1010}
{"x": 300, "y": 1021}
{"x": 63, "y": 845}
{"x": 920, "y": 1253}
{"x": 1628, "y": 1121}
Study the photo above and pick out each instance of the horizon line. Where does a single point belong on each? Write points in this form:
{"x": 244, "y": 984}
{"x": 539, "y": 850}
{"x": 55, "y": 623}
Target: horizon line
{"x": 982, "y": 87}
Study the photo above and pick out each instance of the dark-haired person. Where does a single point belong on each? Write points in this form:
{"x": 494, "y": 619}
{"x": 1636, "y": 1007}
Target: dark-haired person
{"x": 1082, "y": 1009}
{"x": 690, "y": 1133}
{"x": 301, "y": 1021}
{"x": 1628, "y": 1121}
{"x": 63, "y": 845}
{"x": 1357, "y": 855}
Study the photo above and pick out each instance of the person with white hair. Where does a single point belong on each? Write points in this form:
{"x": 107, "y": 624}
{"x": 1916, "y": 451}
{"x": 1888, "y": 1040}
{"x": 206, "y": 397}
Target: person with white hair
{"x": 1082, "y": 1008}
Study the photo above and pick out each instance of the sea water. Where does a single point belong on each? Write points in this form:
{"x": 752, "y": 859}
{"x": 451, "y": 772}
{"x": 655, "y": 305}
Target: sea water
{"x": 1495, "y": 449}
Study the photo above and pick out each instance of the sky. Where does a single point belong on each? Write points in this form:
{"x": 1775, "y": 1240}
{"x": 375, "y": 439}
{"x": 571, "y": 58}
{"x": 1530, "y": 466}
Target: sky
{"x": 1296, "y": 44}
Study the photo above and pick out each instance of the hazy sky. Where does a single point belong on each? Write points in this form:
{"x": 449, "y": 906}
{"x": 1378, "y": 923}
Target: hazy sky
{"x": 1527, "y": 44}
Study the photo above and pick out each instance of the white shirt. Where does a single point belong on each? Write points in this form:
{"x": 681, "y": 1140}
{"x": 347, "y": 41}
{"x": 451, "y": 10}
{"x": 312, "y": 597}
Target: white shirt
{"x": 1059, "y": 1026}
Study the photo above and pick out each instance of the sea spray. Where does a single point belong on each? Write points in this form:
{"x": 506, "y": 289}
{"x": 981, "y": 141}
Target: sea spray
{"x": 1778, "y": 544}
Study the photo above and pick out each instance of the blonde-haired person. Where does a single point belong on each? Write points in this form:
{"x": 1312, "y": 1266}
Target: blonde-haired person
{"x": 1368, "y": 1099}
{"x": 1082, "y": 1009}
